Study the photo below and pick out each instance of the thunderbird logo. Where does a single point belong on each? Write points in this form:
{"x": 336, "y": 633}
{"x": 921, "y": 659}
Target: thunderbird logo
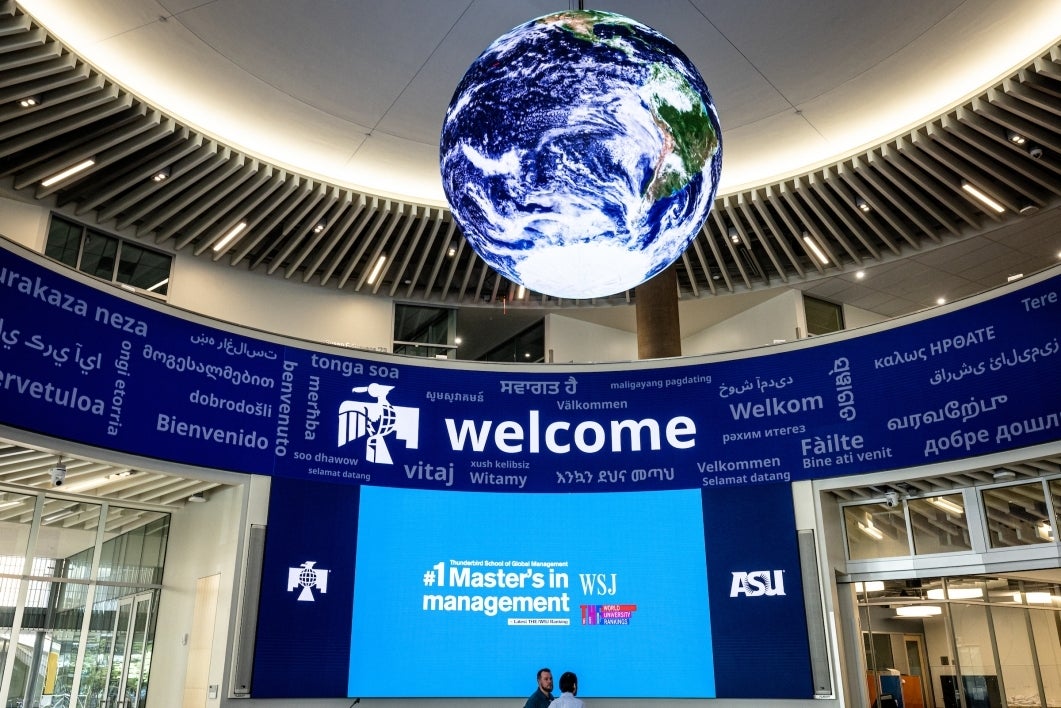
{"x": 375, "y": 421}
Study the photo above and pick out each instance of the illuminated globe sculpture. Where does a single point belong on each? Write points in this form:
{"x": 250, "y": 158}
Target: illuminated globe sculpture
{"x": 580, "y": 154}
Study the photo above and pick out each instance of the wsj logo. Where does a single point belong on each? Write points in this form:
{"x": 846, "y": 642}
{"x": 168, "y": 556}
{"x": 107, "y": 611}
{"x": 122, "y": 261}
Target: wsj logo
{"x": 758, "y": 583}
{"x": 307, "y": 577}
{"x": 375, "y": 420}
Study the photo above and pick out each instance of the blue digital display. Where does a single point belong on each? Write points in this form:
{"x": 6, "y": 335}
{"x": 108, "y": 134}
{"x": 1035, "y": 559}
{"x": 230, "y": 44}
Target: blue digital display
{"x": 623, "y": 589}
{"x": 510, "y": 581}
{"x": 84, "y": 364}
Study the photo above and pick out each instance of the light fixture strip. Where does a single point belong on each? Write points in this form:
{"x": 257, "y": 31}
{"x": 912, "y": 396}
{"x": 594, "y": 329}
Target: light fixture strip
{"x": 979, "y": 194}
{"x": 376, "y": 269}
{"x": 233, "y": 233}
{"x": 158, "y": 285}
{"x": 947, "y": 505}
{"x": 872, "y": 531}
{"x": 815, "y": 249}
{"x": 69, "y": 172}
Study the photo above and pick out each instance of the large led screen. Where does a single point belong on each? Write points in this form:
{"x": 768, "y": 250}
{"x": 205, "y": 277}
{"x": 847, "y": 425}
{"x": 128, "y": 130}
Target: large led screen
{"x": 414, "y": 593}
{"x": 98, "y": 367}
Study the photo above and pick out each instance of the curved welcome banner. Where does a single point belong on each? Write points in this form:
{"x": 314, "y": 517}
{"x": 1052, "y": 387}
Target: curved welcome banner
{"x": 83, "y": 363}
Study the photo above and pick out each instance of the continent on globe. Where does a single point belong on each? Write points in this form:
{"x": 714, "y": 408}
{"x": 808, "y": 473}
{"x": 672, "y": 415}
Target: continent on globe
{"x": 580, "y": 154}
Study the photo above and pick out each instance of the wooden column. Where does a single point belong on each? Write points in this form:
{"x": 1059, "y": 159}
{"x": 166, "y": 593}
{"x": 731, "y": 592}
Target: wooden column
{"x": 658, "y": 329}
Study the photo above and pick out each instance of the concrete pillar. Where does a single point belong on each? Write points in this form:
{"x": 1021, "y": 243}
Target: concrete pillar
{"x": 656, "y": 305}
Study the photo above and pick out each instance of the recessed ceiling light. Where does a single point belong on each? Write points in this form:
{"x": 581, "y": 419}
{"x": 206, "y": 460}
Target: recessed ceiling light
{"x": 30, "y": 101}
{"x": 941, "y": 301}
{"x": 815, "y": 248}
{"x": 69, "y": 172}
{"x": 919, "y": 611}
{"x": 734, "y": 236}
{"x": 233, "y": 233}
{"x": 376, "y": 269}
{"x": 955, "y": 593}
{"x": 1016, "y": 138}
{"x": 947, "y": 505}
{"x": 860, "y": 274}
{"x": 862, "y": 205}
{"x": 982, "y": 196}
{"x": 870, "y": 586}
{"x": 870, "y": 530}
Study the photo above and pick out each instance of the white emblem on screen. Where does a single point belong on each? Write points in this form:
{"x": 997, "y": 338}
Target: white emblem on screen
{"x": 758, "y": 583}
{"x": 307, "y": 577}
{"x": 375, "y": 420}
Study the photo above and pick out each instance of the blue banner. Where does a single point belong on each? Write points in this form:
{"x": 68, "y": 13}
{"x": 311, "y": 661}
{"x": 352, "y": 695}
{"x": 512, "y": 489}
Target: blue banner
{"x": 87, "y": 364}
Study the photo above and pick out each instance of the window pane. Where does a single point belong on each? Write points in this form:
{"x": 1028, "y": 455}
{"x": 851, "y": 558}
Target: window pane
{"x": 822, "y": 316}
{"x": 939, "y": 524}
{"x": 144, "y": 269}
{"x": 64, "y": 241}
{"x": 526, "y": 347}
{"x": 99, "y": 254}
{"x": 1015, "y": 655}
{"x": 875, "y": 531}
{"x": 1017, "y": 515}
{"x": 423, "y": 325}
{"x": 1046, "y": 631}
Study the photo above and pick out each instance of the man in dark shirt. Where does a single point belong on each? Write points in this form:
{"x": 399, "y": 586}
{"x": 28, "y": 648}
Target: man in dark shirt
{"x": 543, "y": 695}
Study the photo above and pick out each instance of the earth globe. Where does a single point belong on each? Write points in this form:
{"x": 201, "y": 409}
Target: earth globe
{"x": 580, "y": 154}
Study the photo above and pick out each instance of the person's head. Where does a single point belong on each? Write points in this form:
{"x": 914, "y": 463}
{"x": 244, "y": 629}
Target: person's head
{"x": 545, "y": 680}
{"x": 569, "y": 683}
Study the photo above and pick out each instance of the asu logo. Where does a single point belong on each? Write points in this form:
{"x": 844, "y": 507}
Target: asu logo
{"x": 758, "y": 583}
{"x": 375, "y": 420}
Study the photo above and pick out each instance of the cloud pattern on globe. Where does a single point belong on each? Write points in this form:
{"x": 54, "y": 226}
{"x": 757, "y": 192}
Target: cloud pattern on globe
{"x": 580, "y": 154}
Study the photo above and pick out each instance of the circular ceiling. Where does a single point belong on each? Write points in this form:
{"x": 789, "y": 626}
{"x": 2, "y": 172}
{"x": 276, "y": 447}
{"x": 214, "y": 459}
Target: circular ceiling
{"x": 355, "y": 93}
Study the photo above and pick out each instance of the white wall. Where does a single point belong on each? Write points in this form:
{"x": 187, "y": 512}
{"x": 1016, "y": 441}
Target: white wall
{"x": 572, "y": 340}
{"x": 204, "y": 540}
{"x": 289, "y": 307}
{"x": 25, "y": 224}
{"x": 776, "y": 318}
{"x": 857, "y": 317}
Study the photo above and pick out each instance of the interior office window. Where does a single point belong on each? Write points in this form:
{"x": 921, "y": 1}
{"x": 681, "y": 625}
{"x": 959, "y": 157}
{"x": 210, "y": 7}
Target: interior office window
{"x": 527, "y": 346}
{"x": 64, "y": 241}
{"x": 875, "y": 531}
{"x": 143, "y": 268}
{"x": 98, "y": 255}
{"x": 425, "y": 331}
{"x": 939, "y": 524}
{"x": 108, "y": 257}
{"x": 822, "y": 316}
{"x": 1017, "y": 515}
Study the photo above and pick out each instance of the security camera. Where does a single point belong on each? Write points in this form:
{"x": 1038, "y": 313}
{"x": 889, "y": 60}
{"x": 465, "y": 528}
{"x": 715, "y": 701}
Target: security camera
{"x": 1035, "y": 151}
{"x": 58, "y": 474}
{"x": 891, "y": 499}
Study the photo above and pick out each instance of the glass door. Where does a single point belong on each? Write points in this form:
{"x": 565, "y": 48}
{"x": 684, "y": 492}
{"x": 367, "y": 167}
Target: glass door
{"x": 130, "y": 653}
